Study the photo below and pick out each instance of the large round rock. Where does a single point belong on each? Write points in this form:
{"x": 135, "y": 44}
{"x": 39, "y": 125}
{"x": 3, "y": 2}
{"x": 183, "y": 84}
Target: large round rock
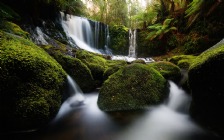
{"x": 132, "y": 87}
{"x": 31, "y": 84}
{"x": 206, "y": 76}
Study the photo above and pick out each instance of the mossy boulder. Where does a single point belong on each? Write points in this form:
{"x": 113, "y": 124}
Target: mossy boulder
{"x": 95, "y": 62}
{"x": 168, "y": 70}
{"x": 183, "y": 61}
{"x": 73, "y": 66}
{"x": 13, "y": 28}
{"x": 31, "y": 85}
{"x": 139, "y": 61}
{"x": 112, "y": 67}
{"x": 206, "y": 76}
{"x": 133, "y": 87}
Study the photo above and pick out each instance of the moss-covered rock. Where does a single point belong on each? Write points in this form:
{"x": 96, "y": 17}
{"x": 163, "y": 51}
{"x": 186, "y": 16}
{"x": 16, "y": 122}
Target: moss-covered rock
{"x": 112, "y": 67}
{"x": 139, "y": 61}
{"x": 206, "y": 82}
{"x": 95, "y": 62}
{"x": 73, "y": 66}
{"x": 168, "y": 70}
{"x": 12, "y": 28}
{"x": 31, "y": 84}
{"x": 183, "y": 61}
{"x": 132, "y": 87}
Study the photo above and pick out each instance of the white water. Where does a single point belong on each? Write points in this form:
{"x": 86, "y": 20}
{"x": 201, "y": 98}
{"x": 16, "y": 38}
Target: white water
{"x": 76, "y": 98}
{"x": 166, "y": 121}
{"x": 132, "y": 43}
{"x": 86, "y": 37}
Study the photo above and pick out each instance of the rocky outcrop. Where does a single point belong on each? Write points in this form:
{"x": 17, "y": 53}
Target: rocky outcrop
{"x": 206, "y": 82}
{"x": 133, "y": 87}
{"x": 31, "y": 84}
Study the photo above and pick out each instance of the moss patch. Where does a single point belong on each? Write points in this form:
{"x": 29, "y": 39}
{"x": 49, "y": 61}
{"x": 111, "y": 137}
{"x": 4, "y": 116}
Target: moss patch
{"x": 95, "y": 62}
{"x": 112, "y": 67}
{"x": 183, "y": 61}
{"x": 31, "y": 84}
{"x": 206, "y": 82}
{"x": 73, "y": 66}
{"x": 13, "y": 29}
{"x": 132, "y": 87}
{"x": 168, "y": 70}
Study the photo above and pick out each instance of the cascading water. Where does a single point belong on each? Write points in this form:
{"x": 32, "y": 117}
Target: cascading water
{"x": 85, "y": 36}
{"x": 132, "y": 43}
{"x": 76, "y": 98}
{"x": 168, "y": 121}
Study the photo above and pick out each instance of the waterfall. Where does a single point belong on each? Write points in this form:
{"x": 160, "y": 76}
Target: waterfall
{"x": 76, "y": 98}
{"x": 86, "y": 34}
{"x": 132, "y": 43}
{"x": 169, "y": 121}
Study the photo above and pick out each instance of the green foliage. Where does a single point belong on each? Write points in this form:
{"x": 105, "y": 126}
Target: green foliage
{"x": 159, "y": 30}
{"x": 29, "y": 76}
{"x": 148, "y": 47}
{"x": 119, "y": 39}
{"x": 168, "y": 70}
{"x": 195, "y": 43}
{"x": 133, "y": 87}
{"x": 7, "y": 13}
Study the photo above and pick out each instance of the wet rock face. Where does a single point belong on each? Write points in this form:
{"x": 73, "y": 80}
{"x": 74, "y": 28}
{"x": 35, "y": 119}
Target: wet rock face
{"x": 132, "y": 87}
{"x": 206, "y": 83}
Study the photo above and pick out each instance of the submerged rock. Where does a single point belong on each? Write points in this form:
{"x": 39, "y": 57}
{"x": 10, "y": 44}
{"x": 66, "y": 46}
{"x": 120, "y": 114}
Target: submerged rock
{"x": 31, "y": 84}
{"x": 133, "y": 87}
{"x": 206, "y": 76}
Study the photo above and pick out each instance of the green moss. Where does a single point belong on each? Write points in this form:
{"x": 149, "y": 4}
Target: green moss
{"x": 168, "y": 70}
{"x": 29, "y": 76}
{"x": 132, "y": 87}
{"x": 112, "y": 67}
{"x": 183, "y": 61}
{"x": 206, "y": 82}
{"x": 95, "y": 62}
{"x": 138, "y": 61}
{"x": 74, "y": 67}
{"x": 13, "y": 29}
{"x": 88, "y": 57}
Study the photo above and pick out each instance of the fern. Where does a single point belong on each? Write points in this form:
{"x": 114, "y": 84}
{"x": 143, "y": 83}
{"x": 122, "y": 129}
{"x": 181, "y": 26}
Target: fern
{"x": 159, "y": 30}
